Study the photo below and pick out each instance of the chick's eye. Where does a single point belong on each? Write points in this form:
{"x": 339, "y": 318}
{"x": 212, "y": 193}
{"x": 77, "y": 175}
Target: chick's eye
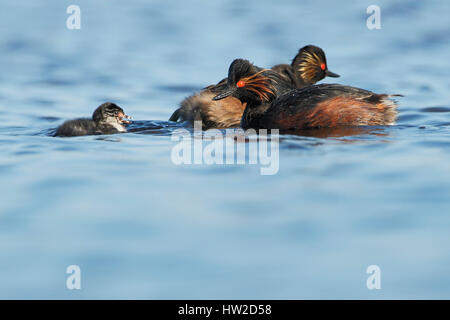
{"x": 240, "y": 84}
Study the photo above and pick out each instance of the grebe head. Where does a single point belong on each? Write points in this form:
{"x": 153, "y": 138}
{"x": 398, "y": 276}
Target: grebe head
{"x": 311, "y": 65}
{"x": 110, "y": 113}
{"x": 248, "y": 83}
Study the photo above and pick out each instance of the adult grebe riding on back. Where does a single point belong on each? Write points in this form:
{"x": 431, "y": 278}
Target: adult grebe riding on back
{"x": 308, "y": 67}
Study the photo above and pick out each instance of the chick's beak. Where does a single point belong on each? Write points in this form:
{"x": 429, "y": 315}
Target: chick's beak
{"x": 328, "y": 73}
{"x": 124, "y": 118}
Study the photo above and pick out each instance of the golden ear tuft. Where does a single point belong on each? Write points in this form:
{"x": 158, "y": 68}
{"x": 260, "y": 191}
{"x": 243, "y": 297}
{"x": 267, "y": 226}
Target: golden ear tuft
{"x": 309, "y": 64}
{"x": 260, "y": 85}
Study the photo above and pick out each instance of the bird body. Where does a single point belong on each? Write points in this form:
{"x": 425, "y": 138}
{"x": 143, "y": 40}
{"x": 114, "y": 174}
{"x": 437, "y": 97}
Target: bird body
{"x": 108, "y": 118}
{"x": 314, "y": 106}
{"x": 308, "y": 67}
{"x": 324, "y": 105}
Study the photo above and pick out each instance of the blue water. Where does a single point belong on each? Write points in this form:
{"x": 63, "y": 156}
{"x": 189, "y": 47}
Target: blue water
{"x": 140, "y": 226}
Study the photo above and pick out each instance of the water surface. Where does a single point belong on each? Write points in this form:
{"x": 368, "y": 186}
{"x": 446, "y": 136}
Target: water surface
{"x": 140, "y": 226}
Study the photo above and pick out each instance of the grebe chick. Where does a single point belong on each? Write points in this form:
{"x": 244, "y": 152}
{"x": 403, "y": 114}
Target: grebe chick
{"x": 315, "y": 106}
{"x": 108, "y": 118}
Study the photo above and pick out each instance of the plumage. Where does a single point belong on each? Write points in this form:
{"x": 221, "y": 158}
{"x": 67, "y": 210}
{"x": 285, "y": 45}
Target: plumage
{"x": 314, "y": 106}
{"x": 108, "y": 118}
{"x": 227, "y": 112}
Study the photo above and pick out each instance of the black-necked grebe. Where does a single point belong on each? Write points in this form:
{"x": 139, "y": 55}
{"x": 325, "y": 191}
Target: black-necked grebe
{"x": 108, "y": 118}
{"x": 308, "y": 67}
{"x": 315, "y": 106}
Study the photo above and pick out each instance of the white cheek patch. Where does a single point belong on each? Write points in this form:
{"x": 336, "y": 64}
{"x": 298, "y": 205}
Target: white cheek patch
{"x": 119, "y": 127}
{"x": 114, "y": 122}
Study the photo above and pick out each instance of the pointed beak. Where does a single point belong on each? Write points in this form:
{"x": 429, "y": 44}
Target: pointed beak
{"x": 127, "y": 119}
{"x": 328, "y": 73}
{"x": 124, "y": 118}
{"x": 226, "y": 93}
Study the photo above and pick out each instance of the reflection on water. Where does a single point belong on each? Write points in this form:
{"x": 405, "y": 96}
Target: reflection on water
{"x": 168, "y": 128}
{"x": 140, "y": 226}
{"x": 340, "y": 132}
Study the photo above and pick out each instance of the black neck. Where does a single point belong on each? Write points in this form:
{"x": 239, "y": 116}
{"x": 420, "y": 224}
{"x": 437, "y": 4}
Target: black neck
{"x": 252, "y": 113}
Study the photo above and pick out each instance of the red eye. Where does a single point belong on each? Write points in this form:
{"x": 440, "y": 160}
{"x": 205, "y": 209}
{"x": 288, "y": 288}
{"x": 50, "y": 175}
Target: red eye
{"x": 240, "y": 84}
{"x": 322, "y": 66}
